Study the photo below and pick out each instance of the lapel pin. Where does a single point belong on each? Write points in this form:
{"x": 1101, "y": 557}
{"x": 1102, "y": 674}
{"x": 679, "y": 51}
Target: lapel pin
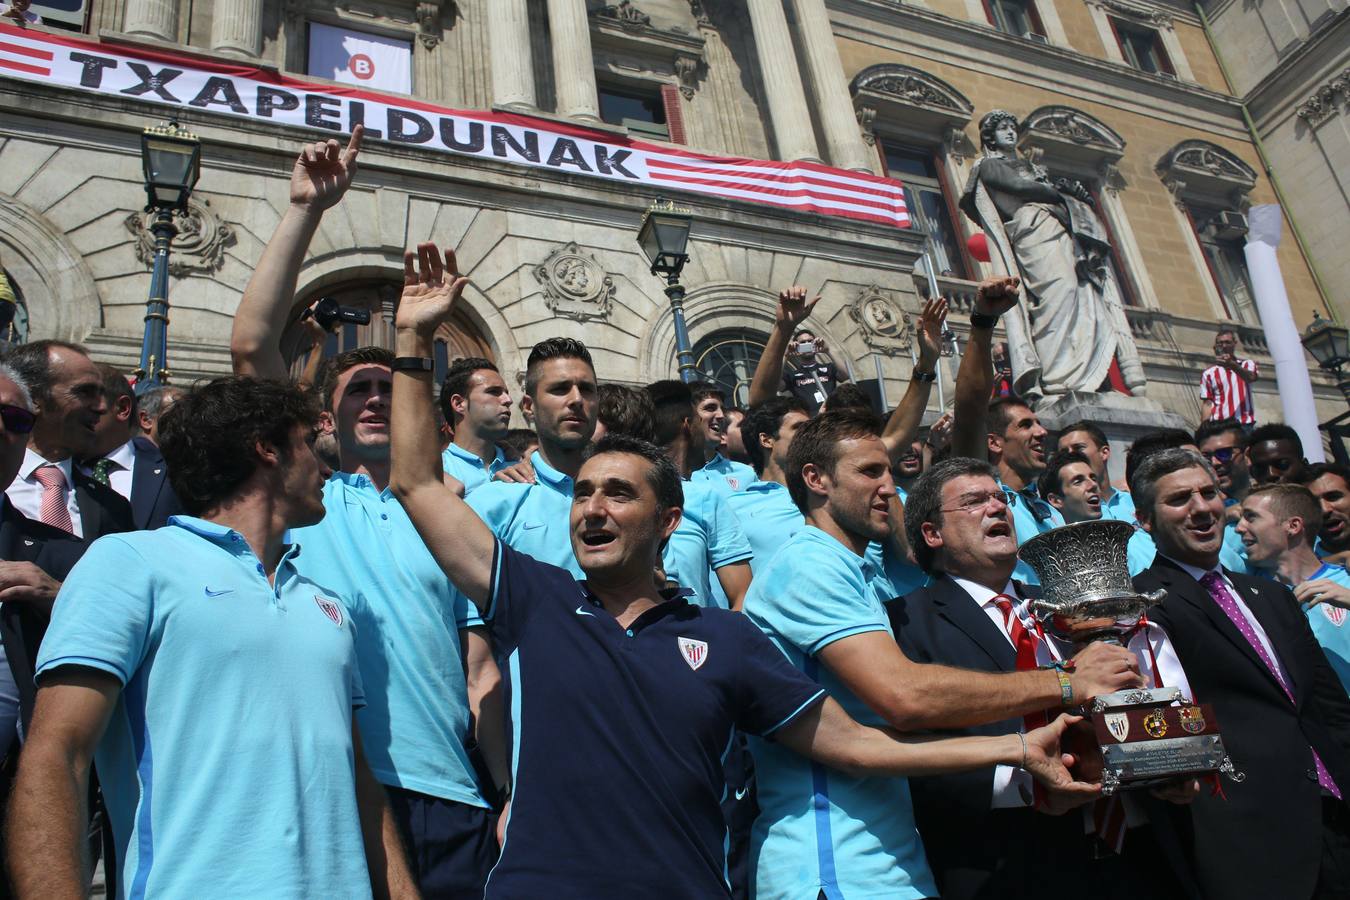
{"x": 27, "y": 542}
{"x": 157, "y": 471}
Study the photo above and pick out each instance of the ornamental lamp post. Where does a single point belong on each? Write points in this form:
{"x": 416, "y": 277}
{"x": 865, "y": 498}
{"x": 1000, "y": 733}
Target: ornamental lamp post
{"x": 171, "y": 158}
{"x": 664, "y": 239}
{"x": 1329, "y": 344}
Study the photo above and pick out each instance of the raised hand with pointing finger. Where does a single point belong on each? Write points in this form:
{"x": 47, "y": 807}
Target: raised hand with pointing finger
{"x": 324, "y": 171}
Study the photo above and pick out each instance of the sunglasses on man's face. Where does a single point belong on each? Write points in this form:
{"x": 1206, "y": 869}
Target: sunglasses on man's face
{"x": 16, "y": 418}
{"x": 1223, "y": 455}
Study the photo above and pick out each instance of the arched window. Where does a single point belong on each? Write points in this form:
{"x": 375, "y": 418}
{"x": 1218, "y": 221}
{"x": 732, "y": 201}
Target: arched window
{"x": 728, "y": 358}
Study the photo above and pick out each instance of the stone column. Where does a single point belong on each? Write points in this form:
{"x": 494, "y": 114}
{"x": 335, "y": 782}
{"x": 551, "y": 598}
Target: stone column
{"x": 843, "y": 137}
{"x": 573, "y": 62}
{"x": 236, "y": 27}
{"x": 152, "y": 18}
{"x": 791, "y": 118}
{"x": 509, "y": 51}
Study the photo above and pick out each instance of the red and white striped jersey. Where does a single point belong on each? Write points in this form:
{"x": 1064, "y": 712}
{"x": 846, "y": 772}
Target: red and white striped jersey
{"x": 1231, "y": 396}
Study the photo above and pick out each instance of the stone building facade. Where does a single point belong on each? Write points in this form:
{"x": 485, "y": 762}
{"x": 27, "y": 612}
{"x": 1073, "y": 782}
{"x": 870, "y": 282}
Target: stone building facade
{"x": 1124, "y": 95}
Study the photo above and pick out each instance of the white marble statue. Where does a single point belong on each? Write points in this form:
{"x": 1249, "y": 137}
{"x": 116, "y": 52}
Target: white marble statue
{"x": 1071, "y": 323}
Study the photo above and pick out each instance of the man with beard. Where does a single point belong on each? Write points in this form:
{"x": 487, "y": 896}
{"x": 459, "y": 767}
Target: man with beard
{"x": 1284, "y": 830}
{"x": 1330, "y": 484}
{"x": 624, "y": 696}
{"x": 477, "y": 405}
{"x": 1279, "y": 525}
{"x": 1223, "y": 444}
{"x": 415, "y": 636}
{"x": 844, "y": 834}
{"x": 1070, "y": 485}
{"x": 908, "y": 467}
{"x": 975, "y": 616}
{"x": 1088, "y": 439}
{"x": 214, "y": 683}
{"x": 1275, "y": 455}
{"x": 765, "y": 510}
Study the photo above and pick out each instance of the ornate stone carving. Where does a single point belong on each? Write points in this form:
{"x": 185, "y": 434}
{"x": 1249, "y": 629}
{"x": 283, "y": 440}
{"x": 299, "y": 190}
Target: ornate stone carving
{"x": 429, "y": 24}
{"x": 1207, "y": 168}
{"x": 912, "y": 86}
{"x": 700, "y": 14}
{"x": 867, "y": 117}
{"x": 1321, "y": 104}
{"x": 575, "y": 284}
{"x": 1158, "y": 18}
{"x": 199, "y": 247}
{"x": 1074, "y": 125}
{"x": 1109, "y": 177}
{"x": 884, "y": 326}
{"x": 626, "y": 14}
{"x": 687, "y": 70}
{"x": 958, "y": 144}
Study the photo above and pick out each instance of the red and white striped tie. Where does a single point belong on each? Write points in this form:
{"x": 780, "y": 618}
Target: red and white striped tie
{"x": 54, "y": 511}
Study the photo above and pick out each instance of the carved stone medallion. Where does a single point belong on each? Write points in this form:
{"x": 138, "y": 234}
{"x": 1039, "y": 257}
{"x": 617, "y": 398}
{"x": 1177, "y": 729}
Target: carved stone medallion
{"x": 884, "y": 326}
{"x": 199, "y": 246}
{"x": 575, "y": 284}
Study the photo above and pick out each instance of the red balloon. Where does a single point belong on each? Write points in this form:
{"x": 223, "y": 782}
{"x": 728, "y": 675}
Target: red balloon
{"x": 978, "y": 245}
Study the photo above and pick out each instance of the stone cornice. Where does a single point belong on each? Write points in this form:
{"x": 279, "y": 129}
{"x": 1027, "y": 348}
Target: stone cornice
{"x": 1060, "y": 69}
{"x": 1302, "y": 71}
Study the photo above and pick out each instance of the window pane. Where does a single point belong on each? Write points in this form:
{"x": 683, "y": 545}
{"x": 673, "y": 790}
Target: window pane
{"x": 728, "y": 359}
{"x": 1012, "y": 16}
{"x": 616, "y": 105}
{"x": 933, "y": 213}
{"x": 902, "y": 162}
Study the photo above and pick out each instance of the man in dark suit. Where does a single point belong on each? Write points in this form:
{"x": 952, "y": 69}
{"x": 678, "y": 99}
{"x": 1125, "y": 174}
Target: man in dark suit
{"x": 1284, "y": 830}
{"x": 988, "y": 833}
{"x": 127, "y": 462}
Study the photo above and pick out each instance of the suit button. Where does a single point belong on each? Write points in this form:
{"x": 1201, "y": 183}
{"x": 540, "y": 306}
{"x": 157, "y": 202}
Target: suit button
{"x": 1312, "y": 774}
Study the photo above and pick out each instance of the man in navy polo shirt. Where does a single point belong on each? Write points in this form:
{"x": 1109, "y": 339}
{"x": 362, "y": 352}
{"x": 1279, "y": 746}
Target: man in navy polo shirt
{"x": 477, "y": 406}
{"x": 624, "y": 697}
{"x": 423, "y": 649}
{"x": 213, "y": 683}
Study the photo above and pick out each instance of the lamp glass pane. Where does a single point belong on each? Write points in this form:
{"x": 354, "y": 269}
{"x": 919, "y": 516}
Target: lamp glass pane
{"x": 647, "y": 241}
{"x": 169, "y": 163}
{"x": 1340, "y": 341}
{"x": 672, "y": 233}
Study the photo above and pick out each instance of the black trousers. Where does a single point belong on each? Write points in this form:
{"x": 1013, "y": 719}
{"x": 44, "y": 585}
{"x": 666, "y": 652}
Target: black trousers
{"x": 1333, "y": 883}
{"x": 451, "y": 846}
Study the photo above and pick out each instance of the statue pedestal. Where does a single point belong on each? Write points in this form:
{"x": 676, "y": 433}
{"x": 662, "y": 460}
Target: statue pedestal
{"x": 1122, "y": 418}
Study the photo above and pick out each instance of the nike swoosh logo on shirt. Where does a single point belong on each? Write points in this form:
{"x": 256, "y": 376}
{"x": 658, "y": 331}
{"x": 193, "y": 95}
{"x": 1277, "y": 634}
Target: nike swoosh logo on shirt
{"x": 531, "y": 526}
{"x": 582, "y": 612}
{"x": 211, "y": 593}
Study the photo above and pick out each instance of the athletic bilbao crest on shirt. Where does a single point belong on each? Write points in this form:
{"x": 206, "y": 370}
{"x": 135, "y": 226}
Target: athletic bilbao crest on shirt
{"x": 1118, "y": 724}
{"x": 330, "y": 609}
{"x": 734, "y": 482}
{"x": 1334, "y": 613}
{"x": 694, "y": 652}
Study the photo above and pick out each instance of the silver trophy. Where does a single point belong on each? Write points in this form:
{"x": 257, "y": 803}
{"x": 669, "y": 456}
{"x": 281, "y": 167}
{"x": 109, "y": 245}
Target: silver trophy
{"x": 1147, "y": 735}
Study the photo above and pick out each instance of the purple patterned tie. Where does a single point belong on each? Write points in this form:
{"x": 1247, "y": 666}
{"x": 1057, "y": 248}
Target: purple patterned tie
{"x": 1214, "y": 583}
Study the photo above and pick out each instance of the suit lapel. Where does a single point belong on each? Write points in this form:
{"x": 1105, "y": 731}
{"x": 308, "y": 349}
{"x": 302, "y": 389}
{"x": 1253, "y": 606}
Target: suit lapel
{"x": 91, "y": 511}
{"x": 9, "y": 531}
{"x": 1182, "y": 586}
{"x": 147, "y": 480}
{"x": 958, "y": 608}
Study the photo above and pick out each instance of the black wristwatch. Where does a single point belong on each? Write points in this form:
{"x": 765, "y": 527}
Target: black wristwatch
{"x": 924, "y": 376}
{"x": 980, "y": 320}
{"x": 413, "y": 364}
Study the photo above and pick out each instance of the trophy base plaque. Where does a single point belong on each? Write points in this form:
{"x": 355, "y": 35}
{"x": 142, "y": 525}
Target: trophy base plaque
{"x": 1146, "y": 741}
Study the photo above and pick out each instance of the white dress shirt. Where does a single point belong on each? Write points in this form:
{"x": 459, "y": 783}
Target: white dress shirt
{"x": 26, "y": 493}
{"x": 119, "y": 476}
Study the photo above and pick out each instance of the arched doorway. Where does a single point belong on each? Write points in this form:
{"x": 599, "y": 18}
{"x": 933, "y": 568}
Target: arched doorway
{"x": 460, "y": 337}
{"x": 728, "y": 357}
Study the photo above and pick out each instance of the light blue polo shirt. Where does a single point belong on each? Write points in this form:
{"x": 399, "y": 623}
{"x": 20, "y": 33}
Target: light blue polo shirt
{"x": 408, "y": 618}
{"x": 820, "y": 829}
{"x": 896, "y": 576}
{"x": 728, "y": 475}
{"x": 1031, "y": 516}
{"x": 1119, "y": 506}
{"x": 468, "y": 467}
{"x": 1142, "y": 550}
{"x": 227, "y": 764}
{"x": 534, "y": 519}
{"x": 1329, "y": 624}
{"x": 707, "y": 538}
{"x": 769, "y": 518}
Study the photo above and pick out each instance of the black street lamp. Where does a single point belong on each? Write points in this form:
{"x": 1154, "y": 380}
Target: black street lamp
{"x": 172, "y": 160}
{"x": 664, "y": 238}
{"x": 1329, "y": 344}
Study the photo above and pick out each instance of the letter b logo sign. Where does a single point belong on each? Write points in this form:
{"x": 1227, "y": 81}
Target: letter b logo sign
{"x": 362, "y": 66}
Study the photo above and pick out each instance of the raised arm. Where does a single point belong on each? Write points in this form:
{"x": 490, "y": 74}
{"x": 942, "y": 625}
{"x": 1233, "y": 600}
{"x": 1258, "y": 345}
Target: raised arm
{"x": 48, "y": 814}
{"x": 975, "y": 378}
{"x": 457, "y": 538}
{"x": 321, "y": 176}
{"x": 792, "y": 311}
{"x": 903, "y": 425}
